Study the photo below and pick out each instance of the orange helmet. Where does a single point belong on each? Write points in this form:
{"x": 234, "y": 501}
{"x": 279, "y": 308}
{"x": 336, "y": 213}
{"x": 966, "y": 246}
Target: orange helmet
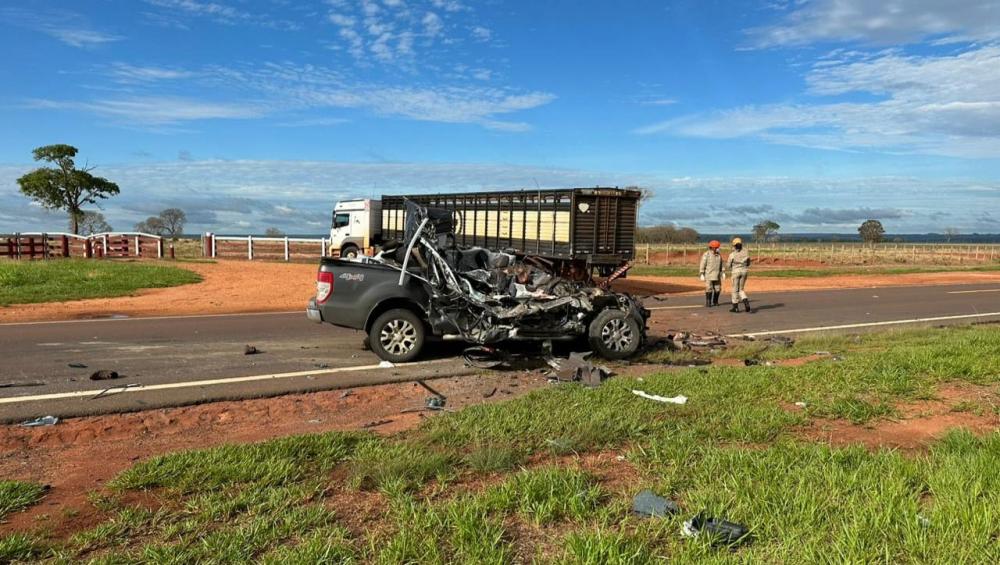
{"x": 714, "y": 244}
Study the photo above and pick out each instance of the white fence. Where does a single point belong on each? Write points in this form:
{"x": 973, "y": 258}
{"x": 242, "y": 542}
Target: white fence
{"x": 251, "y": 247}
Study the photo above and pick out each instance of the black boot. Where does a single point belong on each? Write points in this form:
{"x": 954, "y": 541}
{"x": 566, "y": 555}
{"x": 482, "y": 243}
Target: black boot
{"x": 708, "y": 299}
{"x": 746, "y": 304}
{"x": 715, "y": 298}
{"x": 735, "y": 308}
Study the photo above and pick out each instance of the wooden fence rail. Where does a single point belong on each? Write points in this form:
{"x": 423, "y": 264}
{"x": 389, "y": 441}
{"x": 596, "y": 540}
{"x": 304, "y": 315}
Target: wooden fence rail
{"x": 39, "y": 245}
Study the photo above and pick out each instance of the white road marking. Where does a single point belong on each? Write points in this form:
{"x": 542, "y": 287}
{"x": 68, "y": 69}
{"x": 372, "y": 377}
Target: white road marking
{"x": 210, "y": 382}
{"x": 972, "y": 291}
{"x": 866, "y": 324}
{"x": 675, "y": 307}
{"x": 190, "y": 316}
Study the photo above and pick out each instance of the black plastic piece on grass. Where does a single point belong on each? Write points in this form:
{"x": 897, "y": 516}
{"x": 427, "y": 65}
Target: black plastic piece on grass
{"x": 649, "y": 505}
{"x": 722, "y": 532}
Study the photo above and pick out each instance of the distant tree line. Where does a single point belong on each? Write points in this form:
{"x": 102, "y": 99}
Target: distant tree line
{"x": 667, "y": 233}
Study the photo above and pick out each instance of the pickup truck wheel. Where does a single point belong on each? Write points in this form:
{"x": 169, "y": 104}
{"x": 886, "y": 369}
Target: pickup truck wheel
{"x": 397, "y": 336}
{"x": 350, "y": 252}
{"x": 614, "y": 334}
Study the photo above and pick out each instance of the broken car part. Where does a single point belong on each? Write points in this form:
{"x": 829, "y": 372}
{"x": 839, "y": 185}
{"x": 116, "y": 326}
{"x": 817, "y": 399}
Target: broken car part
{"x": 41, "y": 421}
{"x": 722, "y": 532}
{"x": 649, "y": 505}
{"x": 104, "y": 375}
{"x": 680, "y": 399}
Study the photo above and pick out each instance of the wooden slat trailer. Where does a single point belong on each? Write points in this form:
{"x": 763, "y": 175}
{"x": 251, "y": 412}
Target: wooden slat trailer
{"x": 592, "y": 227}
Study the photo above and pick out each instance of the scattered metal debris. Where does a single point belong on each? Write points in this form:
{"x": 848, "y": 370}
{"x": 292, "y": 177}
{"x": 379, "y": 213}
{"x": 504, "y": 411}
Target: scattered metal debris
{"x": 484, "y": 357}
{"x": 435, "y": 403}
{"x": 386, "y": 365}
{"x": 346, "y": 393}
{"x": 77, "y": 366}
{"x": 40, "y": 421}
{"x": 649, "y": 505}
{"x": 250, "y": 350}
{"x": 680, "y": 399}
{"x": 376, "y": 424}
{"x": 577, "y": 369}
{"x": 16, "y": 385}
{"x": 114, "y": 390}
{"x": 104, "y": 375}
{"x": 722, "y": 532}
{"x": 684, "y": 340}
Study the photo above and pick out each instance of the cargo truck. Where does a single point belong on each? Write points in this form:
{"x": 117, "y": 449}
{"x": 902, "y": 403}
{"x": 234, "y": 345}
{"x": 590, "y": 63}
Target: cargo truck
{"x": 593, "y": 228}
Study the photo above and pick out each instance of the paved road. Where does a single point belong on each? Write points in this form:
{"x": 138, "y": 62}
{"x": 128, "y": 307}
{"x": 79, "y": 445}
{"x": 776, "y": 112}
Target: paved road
{"x": 194, "y": 359}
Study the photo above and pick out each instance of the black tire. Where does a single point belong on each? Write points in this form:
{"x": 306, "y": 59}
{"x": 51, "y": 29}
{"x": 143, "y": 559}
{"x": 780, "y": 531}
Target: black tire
{"x": 350, "y": 251}
{"x": 614, "y": 334}
{"x": 397, "y": 336}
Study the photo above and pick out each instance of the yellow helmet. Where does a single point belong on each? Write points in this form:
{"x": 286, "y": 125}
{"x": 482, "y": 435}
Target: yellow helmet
{"x": 737, "y": 241}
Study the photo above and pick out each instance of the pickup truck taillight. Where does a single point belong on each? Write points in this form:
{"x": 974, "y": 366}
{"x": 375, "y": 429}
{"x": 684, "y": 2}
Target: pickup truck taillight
{"x": 324, "y": 286}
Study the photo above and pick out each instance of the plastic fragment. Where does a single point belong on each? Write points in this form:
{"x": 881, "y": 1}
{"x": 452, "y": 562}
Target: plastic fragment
{"x": 41, "y": 421}
{"x": 679, "y": 399}
{"x": 650, "y": 505}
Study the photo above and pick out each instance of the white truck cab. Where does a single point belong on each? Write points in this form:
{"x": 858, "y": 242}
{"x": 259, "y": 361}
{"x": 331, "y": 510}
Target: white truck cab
{"x": 356, "y": 223}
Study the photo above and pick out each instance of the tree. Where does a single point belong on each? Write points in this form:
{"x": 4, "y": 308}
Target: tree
{"x": 872, "y": 232}
{"x": 667, "y": 233}
{"x": 765, "y": 230}
{"x": 91, "y": 222}
{"x": 274, "y": 232}
{"x": 64, "y": 187}
{"x": 950, "y": 233}
{"x": 173, "y": 220}
{"x": 153, "y": 225}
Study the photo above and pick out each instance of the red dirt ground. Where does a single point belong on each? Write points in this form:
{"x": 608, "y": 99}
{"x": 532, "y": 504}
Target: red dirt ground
{"x": 81, "y": 454}
{"x": 920, "y": 423}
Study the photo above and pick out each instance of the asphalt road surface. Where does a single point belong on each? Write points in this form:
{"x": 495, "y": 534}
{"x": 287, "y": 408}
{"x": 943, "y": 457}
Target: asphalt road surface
{"x": 183, "y": 360}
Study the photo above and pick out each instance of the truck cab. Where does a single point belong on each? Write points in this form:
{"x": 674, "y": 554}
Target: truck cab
{"x": 355, "y": 226}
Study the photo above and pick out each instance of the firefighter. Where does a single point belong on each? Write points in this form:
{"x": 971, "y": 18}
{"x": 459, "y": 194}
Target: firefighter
{"x": 711, "y": 273}
{"x": 738, "y": 266}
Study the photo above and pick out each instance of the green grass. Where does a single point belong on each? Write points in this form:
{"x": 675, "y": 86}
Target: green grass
{"x": 692, "y": 270}
{"x": 29, "y": 282}
{"x": 18, "y": 495}
{"x": 501, "y": 482}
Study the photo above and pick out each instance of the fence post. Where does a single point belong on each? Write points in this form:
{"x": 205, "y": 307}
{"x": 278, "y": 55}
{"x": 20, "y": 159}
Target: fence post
{"x": 65, "y": 246}
{"x": 286, "y": 248}
{"x": 104, "y": 246}
{"x": 171, "y": 249}
{"x": 138, "y": 248}
{"x": 322, "y": 247}
{"x": 215, "y": 251}
{"x": 88, "y": 251}
{"x": 159, "y": 248}
{"x": 647, "y": 253}
{"x": 250, "y": 247}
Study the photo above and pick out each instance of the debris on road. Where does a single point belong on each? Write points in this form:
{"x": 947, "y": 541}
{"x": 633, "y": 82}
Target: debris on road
{"x": 376, "y": 424}
{"x": 577, "y": 369}
{"x": 115, "y": 389}
{"x": 680, "y": 399}
{"x": 386, "y": 365}
{"x": 800, "y": 404}
{"x": 14, "y": 385}
{"x": 722, "y": 532}
{"x": 104, "y": 375}
{"x": 483, "y": 357}
{"x": 684, "y": 340}
{"x": 41, "y": 421}
{"x": 435, "y": 403}
{"x": 77, "y": 366}
{"x": 250, "y": 350}
{"x": 489, "y": 393}
{"x": 649, "y": 505}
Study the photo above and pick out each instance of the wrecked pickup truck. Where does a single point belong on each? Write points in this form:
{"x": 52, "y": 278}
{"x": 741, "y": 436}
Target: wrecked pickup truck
{"x": 427, "y": 285}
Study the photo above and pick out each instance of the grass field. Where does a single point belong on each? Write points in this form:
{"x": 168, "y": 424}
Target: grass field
{"x": 26, "y": 282}
{"x": 17, "y": 495}
{"x": 549, "y": 477}
{"x": 692, "y": 270}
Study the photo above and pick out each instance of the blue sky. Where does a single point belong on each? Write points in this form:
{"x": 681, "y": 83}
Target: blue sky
{"x": 257, "y": 113}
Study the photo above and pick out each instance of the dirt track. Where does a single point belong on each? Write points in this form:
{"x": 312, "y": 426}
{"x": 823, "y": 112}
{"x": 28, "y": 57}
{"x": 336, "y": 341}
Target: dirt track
{"x": 233, "y": 287}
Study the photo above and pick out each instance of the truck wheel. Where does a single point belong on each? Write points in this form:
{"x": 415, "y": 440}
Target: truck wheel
{"x": 397, "y": 336}
{"x": 350, "y": 252}
{"x": 614, "y": 334}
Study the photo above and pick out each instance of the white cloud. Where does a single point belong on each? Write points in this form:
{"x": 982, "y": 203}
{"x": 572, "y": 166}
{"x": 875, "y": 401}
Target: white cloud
{"x": 881, "y": 22}
{"x": 480, "y": 33}
{"x": 80, "y": 37}
{"x": 432, "y": 24}
{"x": 125, "y": 72}
{"x": 66, "y": 26}
{"x": 942, "y": 105}
{"x": 222, "y": 13}
{"x": 218, "y": 195}
{"x": 154, "y": 110}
